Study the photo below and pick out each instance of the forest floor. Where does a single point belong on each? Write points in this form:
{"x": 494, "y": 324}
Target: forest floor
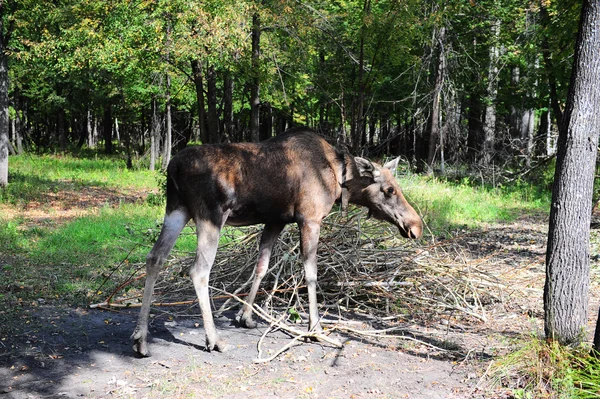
{"x": 49, "y": 349}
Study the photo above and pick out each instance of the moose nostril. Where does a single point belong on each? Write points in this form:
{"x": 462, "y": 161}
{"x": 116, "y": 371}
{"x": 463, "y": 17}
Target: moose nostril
{"x": 414, "y": 232}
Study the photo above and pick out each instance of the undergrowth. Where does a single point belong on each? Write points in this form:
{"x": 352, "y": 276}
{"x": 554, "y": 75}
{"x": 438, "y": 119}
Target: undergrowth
{"x": 537, "y": 368}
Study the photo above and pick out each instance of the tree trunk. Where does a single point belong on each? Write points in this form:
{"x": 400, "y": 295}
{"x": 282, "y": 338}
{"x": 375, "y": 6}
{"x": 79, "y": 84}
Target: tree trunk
{"x": 567, "y": 257}
{"x": 228, "y": 125}
{"x": 255, "y": 85}
{"x": 213, "y": 118}
{"x": 489, "y": 126}
{"x": 4, "y": 102}
{"x": 168, "y": 131}
{"x": 90, "y": 131}
{"x": 475, "y": 131}
{"x": 154, "y": 135}
{"x": 197, "y": 72}
{"x": 107, "y": 122}
{"x": 549, "y": 66}
{"x": 435, "y": 138}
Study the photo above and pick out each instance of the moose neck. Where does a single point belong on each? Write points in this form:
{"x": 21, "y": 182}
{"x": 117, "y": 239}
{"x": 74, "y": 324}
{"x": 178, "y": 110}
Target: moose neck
{"x": 354, "y": 183}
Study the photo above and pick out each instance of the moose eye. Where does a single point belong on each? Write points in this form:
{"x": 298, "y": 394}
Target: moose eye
{"x": 390, "y": 191}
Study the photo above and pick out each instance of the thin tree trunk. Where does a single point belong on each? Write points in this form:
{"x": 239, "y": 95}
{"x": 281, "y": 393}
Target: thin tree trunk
{"x": 567, "y": 257}
{"x": 91, "y": 143}
{"x": 154, "y": 133}
{"x": 228, "y": 124}
{"x": 435, "y": 138}
{"x": 489, "y": 126}
{"x": 4, "y": 103}
{"x": 255, "y": 85}
{"x": 213, "y": 118}
{"x": 197, "y": 72}
{"x": 549, "y": 66}
{"x": 359, "y": 128}
{"x": 168, "y": 131}
{"x": 107, "y": 122}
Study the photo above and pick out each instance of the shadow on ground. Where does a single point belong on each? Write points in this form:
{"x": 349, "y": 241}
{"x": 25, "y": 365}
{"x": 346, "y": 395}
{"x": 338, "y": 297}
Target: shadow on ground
{"x": 59, "y": 352}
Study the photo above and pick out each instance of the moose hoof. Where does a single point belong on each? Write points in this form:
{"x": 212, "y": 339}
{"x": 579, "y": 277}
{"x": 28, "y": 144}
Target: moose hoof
{"x": 218, "y": 346}
{"x": 247, "y": 322}
{"x": 140, "y": 344}
{"x": 141, "y": 347}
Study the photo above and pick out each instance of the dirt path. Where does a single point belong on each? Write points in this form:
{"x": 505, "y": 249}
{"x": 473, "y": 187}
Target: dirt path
{"x": 72, "y": 353}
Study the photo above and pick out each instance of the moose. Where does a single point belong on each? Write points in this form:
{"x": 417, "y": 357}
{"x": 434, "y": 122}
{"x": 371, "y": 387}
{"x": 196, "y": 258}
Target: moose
{"x": 294, "y": 177}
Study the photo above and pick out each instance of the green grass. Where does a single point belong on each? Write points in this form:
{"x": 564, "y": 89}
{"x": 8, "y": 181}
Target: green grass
{"x": 30, "y": 176}
{"x": 541, "y": 369}
{"x": 447, "y": 206}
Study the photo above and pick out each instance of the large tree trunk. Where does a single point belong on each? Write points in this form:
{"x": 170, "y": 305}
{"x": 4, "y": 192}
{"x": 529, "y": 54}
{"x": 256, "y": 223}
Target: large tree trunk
{"x": 489, "y": 126}
{"x": 255, "y": 85}
{"x": 567, "y": 257}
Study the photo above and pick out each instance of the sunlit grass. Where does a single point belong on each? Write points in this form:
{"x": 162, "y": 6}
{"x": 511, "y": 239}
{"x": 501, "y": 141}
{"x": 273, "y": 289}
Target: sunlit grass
{"x": 446, "y": 206}
{"x": 537, "y": 368}
{"x": 31, "y": 176}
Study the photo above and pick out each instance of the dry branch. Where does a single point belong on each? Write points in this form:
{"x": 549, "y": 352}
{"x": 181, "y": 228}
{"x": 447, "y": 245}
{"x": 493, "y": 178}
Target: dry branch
{"x": 364, "y": 268}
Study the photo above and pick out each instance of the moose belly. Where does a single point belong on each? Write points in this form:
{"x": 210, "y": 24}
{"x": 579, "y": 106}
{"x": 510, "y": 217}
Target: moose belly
{"x": 249, "y": 214}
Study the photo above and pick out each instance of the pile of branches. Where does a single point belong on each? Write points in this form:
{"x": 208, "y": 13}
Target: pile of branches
{"x": 365, "y": 268}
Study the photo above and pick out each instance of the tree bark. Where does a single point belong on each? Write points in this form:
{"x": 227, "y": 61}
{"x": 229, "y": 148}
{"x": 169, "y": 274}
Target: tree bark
{"x": 255, "y": 85}
{"x": 567, "y": 257}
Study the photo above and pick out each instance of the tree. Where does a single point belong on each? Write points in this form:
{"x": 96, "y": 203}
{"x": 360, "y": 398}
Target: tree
{"x": 567, "y": 258}
{"x": 6, "y": 27}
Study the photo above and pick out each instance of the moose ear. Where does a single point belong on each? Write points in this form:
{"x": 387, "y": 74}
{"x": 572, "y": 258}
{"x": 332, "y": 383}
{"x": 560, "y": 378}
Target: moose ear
{"x": 366, "y": 168}
{"x": 392, "y": 165}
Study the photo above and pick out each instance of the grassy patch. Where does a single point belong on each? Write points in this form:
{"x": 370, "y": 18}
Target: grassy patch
{"x": 32, "y": 176}
{"x": 72, "y": 259}
{"x": 541, "y": 369}
{"x": 447, "y": 206}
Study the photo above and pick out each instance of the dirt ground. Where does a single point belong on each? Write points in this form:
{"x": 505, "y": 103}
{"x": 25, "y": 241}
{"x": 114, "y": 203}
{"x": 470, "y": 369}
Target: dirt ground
{"x": 57, "y": 351}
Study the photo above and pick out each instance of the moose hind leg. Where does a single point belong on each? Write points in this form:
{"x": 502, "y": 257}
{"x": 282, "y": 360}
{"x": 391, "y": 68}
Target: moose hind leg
{"x": 267, "y": 242}
{"x": 173, "y": 224}
{"x": 208, "y": 241}
{"x": 309, "y": 239}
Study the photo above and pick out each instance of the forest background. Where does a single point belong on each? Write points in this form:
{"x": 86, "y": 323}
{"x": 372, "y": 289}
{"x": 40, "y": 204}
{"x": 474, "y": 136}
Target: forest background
{"x": 438, "y": 82}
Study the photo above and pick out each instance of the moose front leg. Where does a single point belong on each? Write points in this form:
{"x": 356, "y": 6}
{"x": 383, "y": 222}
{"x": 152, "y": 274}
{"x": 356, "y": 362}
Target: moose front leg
{"x": 309, "y": 236}
{"x": 267, "y": 242}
